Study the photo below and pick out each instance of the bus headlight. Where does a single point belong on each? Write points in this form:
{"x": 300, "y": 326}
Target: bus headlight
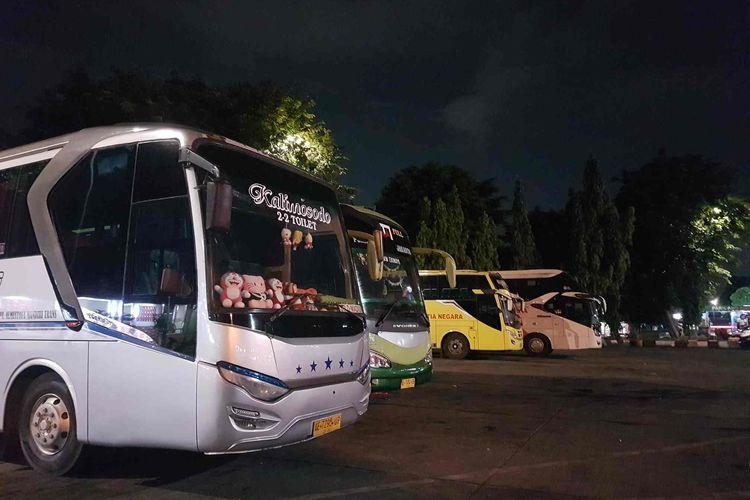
{"x": 256, "y": 384}
{"x": 363, "y": 377}
{"x": 379, "y": 361}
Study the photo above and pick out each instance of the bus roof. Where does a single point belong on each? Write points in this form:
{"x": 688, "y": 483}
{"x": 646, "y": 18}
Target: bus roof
{"x": 529, "y": 273}
{"x": 367, "y": 212}
{"x": 438, "y": 272}
{"x": 126, "y": 133}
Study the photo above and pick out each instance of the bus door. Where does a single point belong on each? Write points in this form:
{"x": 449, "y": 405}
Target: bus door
{"x": 475, "y": 295}
{"x": 575, "y": 319}
{"x": 126, "y": 232}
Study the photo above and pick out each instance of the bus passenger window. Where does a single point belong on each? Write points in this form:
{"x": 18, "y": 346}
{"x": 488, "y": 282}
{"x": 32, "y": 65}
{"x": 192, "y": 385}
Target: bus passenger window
{"x": 22, "y": 238}
{"x": 8, "y": 183}
{"x": 90, "y": 206}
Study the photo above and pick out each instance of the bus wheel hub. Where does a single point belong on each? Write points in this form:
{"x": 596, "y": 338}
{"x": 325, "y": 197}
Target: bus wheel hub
{"x": 49, "y": 425}
{"x": 536, "y": 344}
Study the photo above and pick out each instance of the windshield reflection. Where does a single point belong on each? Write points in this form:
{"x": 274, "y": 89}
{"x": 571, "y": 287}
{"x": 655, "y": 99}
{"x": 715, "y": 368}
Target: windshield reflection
{"x": 398, "y": 291}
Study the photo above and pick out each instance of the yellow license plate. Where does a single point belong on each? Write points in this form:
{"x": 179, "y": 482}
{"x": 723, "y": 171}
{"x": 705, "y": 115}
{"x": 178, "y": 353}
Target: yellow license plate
{"x": 408, "y": 383}
{"x": 326, "y": 425}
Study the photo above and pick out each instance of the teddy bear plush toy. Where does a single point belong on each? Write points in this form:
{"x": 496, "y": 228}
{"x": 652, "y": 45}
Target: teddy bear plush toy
{"x": 254, "y": 291}
{"x": 296, "y": 238}
{"x": 230, "y": 290}
{"x": 286, "y": 236}
{"x": 276, "y": 292}
{"x": 298, "y": 297}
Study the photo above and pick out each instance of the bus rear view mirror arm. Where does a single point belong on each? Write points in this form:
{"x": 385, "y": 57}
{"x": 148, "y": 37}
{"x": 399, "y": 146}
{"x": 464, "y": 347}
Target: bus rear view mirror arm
{"x": 450, "y": 263}
{"x": 375, "y": 255}
{"x": 188, "y": 157}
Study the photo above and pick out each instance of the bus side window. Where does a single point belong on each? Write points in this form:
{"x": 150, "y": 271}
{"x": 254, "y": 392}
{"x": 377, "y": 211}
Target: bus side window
{"x": 428, "y": 285}
{"x": 22, "y": 238}
{"x": 160, "y": 285}
{"x": 8, "y": 187}
{"x": 90, "y": 207}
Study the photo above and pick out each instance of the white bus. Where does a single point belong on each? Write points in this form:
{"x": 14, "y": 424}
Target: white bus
{"x": 555, "y": 315}
{"x": 165, "y": 287}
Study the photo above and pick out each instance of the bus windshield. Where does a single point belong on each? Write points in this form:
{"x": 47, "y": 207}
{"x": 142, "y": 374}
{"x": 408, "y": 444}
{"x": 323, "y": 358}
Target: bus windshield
{"x": 398, "y": 290}
{"x": 285, "y": 248}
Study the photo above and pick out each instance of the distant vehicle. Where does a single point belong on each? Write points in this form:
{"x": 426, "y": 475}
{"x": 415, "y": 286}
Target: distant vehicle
{"x": 400, "y": 346}
{"x": 720, "y": 323}
{"x": 170, "y": 288}
{"x": 556, "y": 316}
{"x": 473, "y": 315}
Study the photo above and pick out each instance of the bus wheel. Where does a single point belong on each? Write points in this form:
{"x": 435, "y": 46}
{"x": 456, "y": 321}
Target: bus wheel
{"x": 47, "y": 426}
{"x": 455, "y": 346}
{"x": 536, "y": 344}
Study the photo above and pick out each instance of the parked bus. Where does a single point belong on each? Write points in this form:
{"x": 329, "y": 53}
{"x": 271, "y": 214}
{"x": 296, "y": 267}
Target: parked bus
{"x": 473, "y": 315}
{"x": 556, "y": 316}
{"x": 400, "y": 347}
{"x": 165, "y": 287}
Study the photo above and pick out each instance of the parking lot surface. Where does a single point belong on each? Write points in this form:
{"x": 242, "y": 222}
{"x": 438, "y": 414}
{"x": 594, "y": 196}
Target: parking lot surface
{"x": 618, "y": 422}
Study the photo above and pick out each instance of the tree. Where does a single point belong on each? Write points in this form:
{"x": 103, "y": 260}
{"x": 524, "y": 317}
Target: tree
{"x": 426, "y": 236}
{"x": 433, "y": 180}
{"x": 523, "y": 250}
{"x": 685, "y": 235}
{"x": 261, "y": 115}
{"x": 600, "y": 238}
{"x": 740, "y": 297}
{"x": 454, "y": 233}
{"x": 550, "y": 235}
{"x": 443, "y": 227}
{"x": 483, "y": 248}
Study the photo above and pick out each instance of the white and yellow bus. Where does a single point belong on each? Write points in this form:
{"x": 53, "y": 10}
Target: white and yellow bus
{"x": 475, "y": 315}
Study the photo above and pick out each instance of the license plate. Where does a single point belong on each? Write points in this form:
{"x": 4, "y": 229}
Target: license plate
{"x": 326, "y": 425}
{"x": 408, "y": 383}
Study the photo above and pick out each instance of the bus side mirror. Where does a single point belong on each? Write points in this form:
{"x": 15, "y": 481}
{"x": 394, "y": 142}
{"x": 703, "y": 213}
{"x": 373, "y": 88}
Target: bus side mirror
{"x": 450, "y": 272}
{"x": 450, "y": 263}
{"x": 374, "y": 265}
{"x": 377, "y": 236}
{"x": 171, "y": 282}
{"x": 218, "y": 206}
{"x": 375, "y": 256}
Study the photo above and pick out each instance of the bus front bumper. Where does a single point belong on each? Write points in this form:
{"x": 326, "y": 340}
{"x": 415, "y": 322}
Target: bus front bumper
{"x": 231, "y": 421}
{"x": 389, "y": 379}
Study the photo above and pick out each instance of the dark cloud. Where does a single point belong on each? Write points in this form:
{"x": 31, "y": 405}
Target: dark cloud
{"x": 506, "y": 89}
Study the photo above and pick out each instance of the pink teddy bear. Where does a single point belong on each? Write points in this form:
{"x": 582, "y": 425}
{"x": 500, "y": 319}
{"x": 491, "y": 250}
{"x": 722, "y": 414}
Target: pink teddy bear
{"x": 230, "y": 290}
{"x": 276, "y": 292}
{"x": 254, "y": 289}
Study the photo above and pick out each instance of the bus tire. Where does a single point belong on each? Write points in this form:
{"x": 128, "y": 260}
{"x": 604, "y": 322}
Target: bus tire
{"x": 47, "y": 426}
{"x": 455, "y": 346}
{"x": 536, "y": 344}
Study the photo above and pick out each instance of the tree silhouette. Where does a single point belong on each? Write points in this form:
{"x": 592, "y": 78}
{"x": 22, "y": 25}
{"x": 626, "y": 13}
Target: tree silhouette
{"x": 483, "y": 246}
{"x": 523, "y": 250}
{"x": 686, "y": 233}
{"x": 260, "y": 115}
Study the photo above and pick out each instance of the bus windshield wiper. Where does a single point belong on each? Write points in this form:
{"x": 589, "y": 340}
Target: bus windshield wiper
{"x": 278, "y": 312}
{"x": 388, "y": 311}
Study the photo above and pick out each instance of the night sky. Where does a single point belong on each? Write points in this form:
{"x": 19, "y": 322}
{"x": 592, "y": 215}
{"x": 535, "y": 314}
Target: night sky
{"x": 504, "y": 89}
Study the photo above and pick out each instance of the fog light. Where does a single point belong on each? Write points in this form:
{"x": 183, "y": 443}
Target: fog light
{"x": 249, "y": 420}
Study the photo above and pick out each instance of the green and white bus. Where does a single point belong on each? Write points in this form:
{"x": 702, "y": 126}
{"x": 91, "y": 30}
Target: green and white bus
{"x": 399, "y": 330}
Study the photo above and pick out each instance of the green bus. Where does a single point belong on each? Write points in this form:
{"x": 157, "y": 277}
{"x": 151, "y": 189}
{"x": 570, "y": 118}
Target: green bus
{"x": 388, "y": 281}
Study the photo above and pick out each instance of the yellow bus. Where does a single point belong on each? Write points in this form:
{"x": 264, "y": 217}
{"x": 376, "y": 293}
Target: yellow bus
{"x": 475, "y": 315}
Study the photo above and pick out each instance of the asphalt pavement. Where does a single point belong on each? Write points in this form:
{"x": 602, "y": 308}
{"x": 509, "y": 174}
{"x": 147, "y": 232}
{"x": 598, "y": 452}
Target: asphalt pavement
{"x": 618, "y": 422}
